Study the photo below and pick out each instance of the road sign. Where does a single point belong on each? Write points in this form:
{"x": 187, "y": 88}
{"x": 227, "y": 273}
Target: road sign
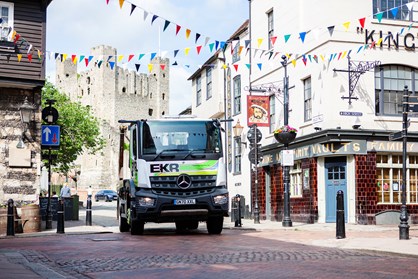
{"x": 50, "y": 135}
{"x": 254, "y": 134}
{"x": 252, "y": 158}
{"x": 50, "y": 115}
{"x": 395, "y": 136}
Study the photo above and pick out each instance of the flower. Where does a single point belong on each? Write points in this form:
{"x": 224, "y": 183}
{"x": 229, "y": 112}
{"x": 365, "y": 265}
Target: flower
{"x": 285, "y": 128}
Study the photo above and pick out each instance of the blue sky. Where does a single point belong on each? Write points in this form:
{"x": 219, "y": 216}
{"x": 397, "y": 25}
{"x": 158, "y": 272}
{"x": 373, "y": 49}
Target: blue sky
{"x": 74, "y": 27}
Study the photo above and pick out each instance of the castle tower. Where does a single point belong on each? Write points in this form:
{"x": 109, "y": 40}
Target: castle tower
{"x": 113, "y": 94}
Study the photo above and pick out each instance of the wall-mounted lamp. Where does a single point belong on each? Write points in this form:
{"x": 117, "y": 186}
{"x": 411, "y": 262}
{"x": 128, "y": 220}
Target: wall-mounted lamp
{"x": 237, "y": 129}
{"x": 317, "y": 129}
{"x": 357, "y": 124}
{"x": 26, "y": 111}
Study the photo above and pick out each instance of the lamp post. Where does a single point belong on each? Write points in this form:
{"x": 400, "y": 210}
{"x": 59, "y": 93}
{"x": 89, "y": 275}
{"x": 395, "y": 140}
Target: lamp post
{"x": 287, "y": 222}
{"x": 403, "y": 226}
{"x": 26, "y": 110}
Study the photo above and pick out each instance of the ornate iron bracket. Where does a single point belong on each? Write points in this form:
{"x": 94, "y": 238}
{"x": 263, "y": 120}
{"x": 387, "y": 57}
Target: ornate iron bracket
{"x": 354, "y": 72}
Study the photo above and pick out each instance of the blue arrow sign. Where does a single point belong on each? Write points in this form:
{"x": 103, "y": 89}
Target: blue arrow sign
{"x": 51, "y": 135}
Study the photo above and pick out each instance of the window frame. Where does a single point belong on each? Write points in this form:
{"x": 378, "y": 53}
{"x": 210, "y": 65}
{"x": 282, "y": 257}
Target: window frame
{"x": 295, "y": 173}
{"x": 10, "y": 20}
{"x": 237, "y": 155}
{"x": 270, "y": 27}
{"x": 208, "y": 83}
{"x": 237, "y": 94}
{"x": 198, "y": 91}
{"x": 386, "y": 6}
{"x": 307, "y": 99}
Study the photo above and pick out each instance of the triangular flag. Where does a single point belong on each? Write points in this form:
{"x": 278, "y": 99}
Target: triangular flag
{"x": 294, "y": 62}
{"x": 259, "y": 65}
{"x": 132, "y": 8}
{"x": 150, "y": 66}
{"x": 19, "y": 57}
{"x": 270, "y": 54}
{"x": 198, "y": 49}
{"x": 56, "y": 55}
{"x": 162, "y": 66}
{"x": 74, "y": 58}
{"x": 286, "y": 38}
{"x": 166, "y": 24}
{"x": 188, "y": 33}
{"x": 145, "y": 15}
{"x": 186, "y": 51}
{"x": 304, "y": 60}
{"x": 223, "y": 46}
{"x": 236, "y": 67}
{"x": 163, "y": 53}
{"x": 259, "y": 42}
{"x": 17, "y": 38}
{"x": 197, "y": 37}
{"x": 410, "y": 5}
{"x": 64, "y": 57}
{"x": 121, "y": 3}
{"x": 240, "y": 50}
{"x": 112, "y": 64}
{"x": 140, "y": 56}
{"x": 107, "y": 2}
{"x": 207, "y": 40}
{"x": 359, "y": 49}
{"x": 211, "y": 46}
{"x": 362, "y": 21}
{"x": 90, "y": 58}
{"x": 176, "y": 52}
{"x": 216, "y": 44}
{"x": 30, "y": 57}
{"x": 130, "y": 57}
{"x": 178, "y": 27}
{"x": 331, "y": 30}
{"x": 394, "y": 11}
{"x": 247, "y": 43}
{"x": 120, "y": 58}
{"x": 302, "y": 36}
{"x": 175, "y": 63}
{"x": 153, "y": 55}
{"x": 81, "y": 58}
{"x": 154, "y": 17}
{"x": 248, "y": 66}
{"x": 379, "y": 16}
{"x": 137, "y": 66}
{"x": 39, "y": 55}
{"x": 273, "y": 40}
{"x": 100, "y": 63}
{"x": 379, "y": 41}
{"x": 86, "y": 61}
{"x": 346, "y": 25}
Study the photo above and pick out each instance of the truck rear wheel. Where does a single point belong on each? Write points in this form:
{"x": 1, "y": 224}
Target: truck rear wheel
{"x": 215, "y": 225}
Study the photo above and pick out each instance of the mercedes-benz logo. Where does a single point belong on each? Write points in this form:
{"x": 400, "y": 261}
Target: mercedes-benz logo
{"x": 184, "y": 181}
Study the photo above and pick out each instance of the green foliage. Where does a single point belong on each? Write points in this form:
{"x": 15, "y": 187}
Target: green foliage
{"x": 79, "y": 129}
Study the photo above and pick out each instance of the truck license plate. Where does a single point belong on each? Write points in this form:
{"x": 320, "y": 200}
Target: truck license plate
{"x": 188, "y": 201}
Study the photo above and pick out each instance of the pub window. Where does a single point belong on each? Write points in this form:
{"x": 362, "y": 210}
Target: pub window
{"x": 296, "y": 181}
{"x": 6, "y": 20}
{"x": 395, "y": 10}
{"x": 237, "y": 95}
{"x": 198, "y": 91}
{"x": 237, "y": 154}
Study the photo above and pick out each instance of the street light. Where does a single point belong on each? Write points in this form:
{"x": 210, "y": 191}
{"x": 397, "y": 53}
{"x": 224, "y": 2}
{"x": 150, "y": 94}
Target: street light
{"x": 237, "y": 129}
{"x": 26, "y": 110}
{"x": 287, "y": 222}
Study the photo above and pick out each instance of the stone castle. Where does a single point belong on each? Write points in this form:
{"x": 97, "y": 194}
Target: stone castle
{"x": 113, "y": 94}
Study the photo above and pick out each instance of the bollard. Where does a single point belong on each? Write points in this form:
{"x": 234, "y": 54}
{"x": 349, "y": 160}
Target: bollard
{"x": 10, "y": 218}
{"x": 238, "y": 216}
{"x": 60, "y": 216}
{"x": 340, "y": 215}
{"x": 88, "y": 211}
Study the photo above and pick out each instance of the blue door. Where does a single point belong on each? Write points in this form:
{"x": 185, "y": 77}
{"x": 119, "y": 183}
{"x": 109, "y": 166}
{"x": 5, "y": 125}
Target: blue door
{"x": 335, "y": 180}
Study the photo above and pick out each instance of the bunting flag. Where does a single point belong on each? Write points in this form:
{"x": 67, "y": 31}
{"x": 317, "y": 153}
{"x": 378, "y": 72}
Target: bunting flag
{"x": 153, "y": 55}
{"x": 259, "y": 65}
{"x": 394, "y": 11}
{"x": 133, "y": 7}
{"x": 107, "y": 2}
{"x": 175, "y": 63}
{"x": 188, "y": 33}
{"x": 286, "y": 37}
{"x": 74, "y": 59}
{"x": 273, "y": 40}
{"x": 176, "y": 52}
{"x": 186, "y": 51}
{"x": 259, "y": 42}
{"x": 211, "y": 47}
{"x": 154, "y": 17}
{"x": 112, "y": 64}
{"x": 248, "y": 66}
{"x": 346, "y": 25}
{"x": 145, "y": 15}
{"x": 162, "y": 66}
{"x": 121, "y": 3}
{"x": 100, "y": 63}
{"x": 294, "y": 62}
{"x": 207, "y": 41}
{"x": 240, "y": 50}
{"x": 379, "y": 16}
{"x": 166, "y": 24}
{"x": 197, "y": 37}
{"x": 302, "y": 36}
{"x": 178, "y": 27}
{"x": 64, "y": 57}
{"x": 247, "y": 43}
{"x": 362, "y": 21}
{"x": 150, "y": 66}
{"x": 198, "y": 49}
{"x": 120, "y": 58}
{"x": 81, "y": 58}
{"x": 236, "y": 67}
{"x": 140, "y": 56}
{"x": 331, "y": 30}
{"x": 137, "y": 66}
{"x": 130, "y": 57}
{"x": 19, "y": 57}
{"x": 30, "y": 57}
{"x": 86, "y": 61}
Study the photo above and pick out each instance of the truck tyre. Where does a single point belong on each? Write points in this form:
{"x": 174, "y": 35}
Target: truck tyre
{"x": 137, "y": 227}
{"x": 123, "y": 223}
{"x": 215, "y": 225}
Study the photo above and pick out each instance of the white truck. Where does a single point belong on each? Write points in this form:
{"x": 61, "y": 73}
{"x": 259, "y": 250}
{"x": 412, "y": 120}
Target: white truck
{"x": 175, "y": 173}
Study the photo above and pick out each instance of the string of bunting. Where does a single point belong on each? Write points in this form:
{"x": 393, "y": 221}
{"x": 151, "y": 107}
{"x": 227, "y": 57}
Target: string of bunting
{"x": 215, "y": 46}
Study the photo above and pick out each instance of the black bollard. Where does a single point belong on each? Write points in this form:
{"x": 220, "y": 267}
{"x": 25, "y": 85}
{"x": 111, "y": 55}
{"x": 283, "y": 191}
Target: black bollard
{"x": 60, "y": 216}
{"x": 10, "y": 218}
{"x": 340, "y": 215}
{"x": 88, "y": 211}
{"x": 238, "y": 212}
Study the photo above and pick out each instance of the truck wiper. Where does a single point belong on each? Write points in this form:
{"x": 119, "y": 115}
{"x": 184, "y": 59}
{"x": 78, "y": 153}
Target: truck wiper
{"x": 195, "y": 156}
{"x": 161, "y": 154}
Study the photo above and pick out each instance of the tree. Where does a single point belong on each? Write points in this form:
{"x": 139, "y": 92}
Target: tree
{"x": 80, "y": 130}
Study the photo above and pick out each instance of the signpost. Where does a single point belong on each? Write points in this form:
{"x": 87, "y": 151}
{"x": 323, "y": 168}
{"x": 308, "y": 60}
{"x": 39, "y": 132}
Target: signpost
{"x": 50, "y": 135}
{"x": 395, "y": 136}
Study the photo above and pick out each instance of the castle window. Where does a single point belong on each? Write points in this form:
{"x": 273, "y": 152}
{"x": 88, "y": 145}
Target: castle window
{"x": 88, "y": 80}
{"x": 163, "y": 75}
{"x": 150, "y": 111}
{"x": 67, "y": 75}
{"x": 124, "y": 89}
{"x": 88, "y": 90}
{"x": 163, "y": 96}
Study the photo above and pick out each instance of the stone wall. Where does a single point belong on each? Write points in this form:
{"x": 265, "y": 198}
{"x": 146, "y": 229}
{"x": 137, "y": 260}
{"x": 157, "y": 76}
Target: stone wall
{"x": 17, "y": 182}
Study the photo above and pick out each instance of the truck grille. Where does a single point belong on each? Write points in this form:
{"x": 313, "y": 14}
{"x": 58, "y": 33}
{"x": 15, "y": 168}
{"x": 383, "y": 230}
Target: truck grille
{"x": 167, "y": 185}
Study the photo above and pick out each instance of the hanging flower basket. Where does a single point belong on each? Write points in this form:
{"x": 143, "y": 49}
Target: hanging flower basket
{"x": 285, "y": 134}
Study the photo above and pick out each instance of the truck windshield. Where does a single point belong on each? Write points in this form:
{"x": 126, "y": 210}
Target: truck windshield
{"x": 181, "y": 136}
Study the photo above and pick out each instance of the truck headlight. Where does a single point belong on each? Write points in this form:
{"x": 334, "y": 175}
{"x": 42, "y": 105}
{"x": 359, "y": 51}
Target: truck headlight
{"x": 220, "y": 199}
{"x": 146, "y": 201}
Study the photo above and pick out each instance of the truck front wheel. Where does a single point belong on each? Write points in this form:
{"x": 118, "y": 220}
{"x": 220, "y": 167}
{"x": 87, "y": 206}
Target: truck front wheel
{"x": 215, "y": 225}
